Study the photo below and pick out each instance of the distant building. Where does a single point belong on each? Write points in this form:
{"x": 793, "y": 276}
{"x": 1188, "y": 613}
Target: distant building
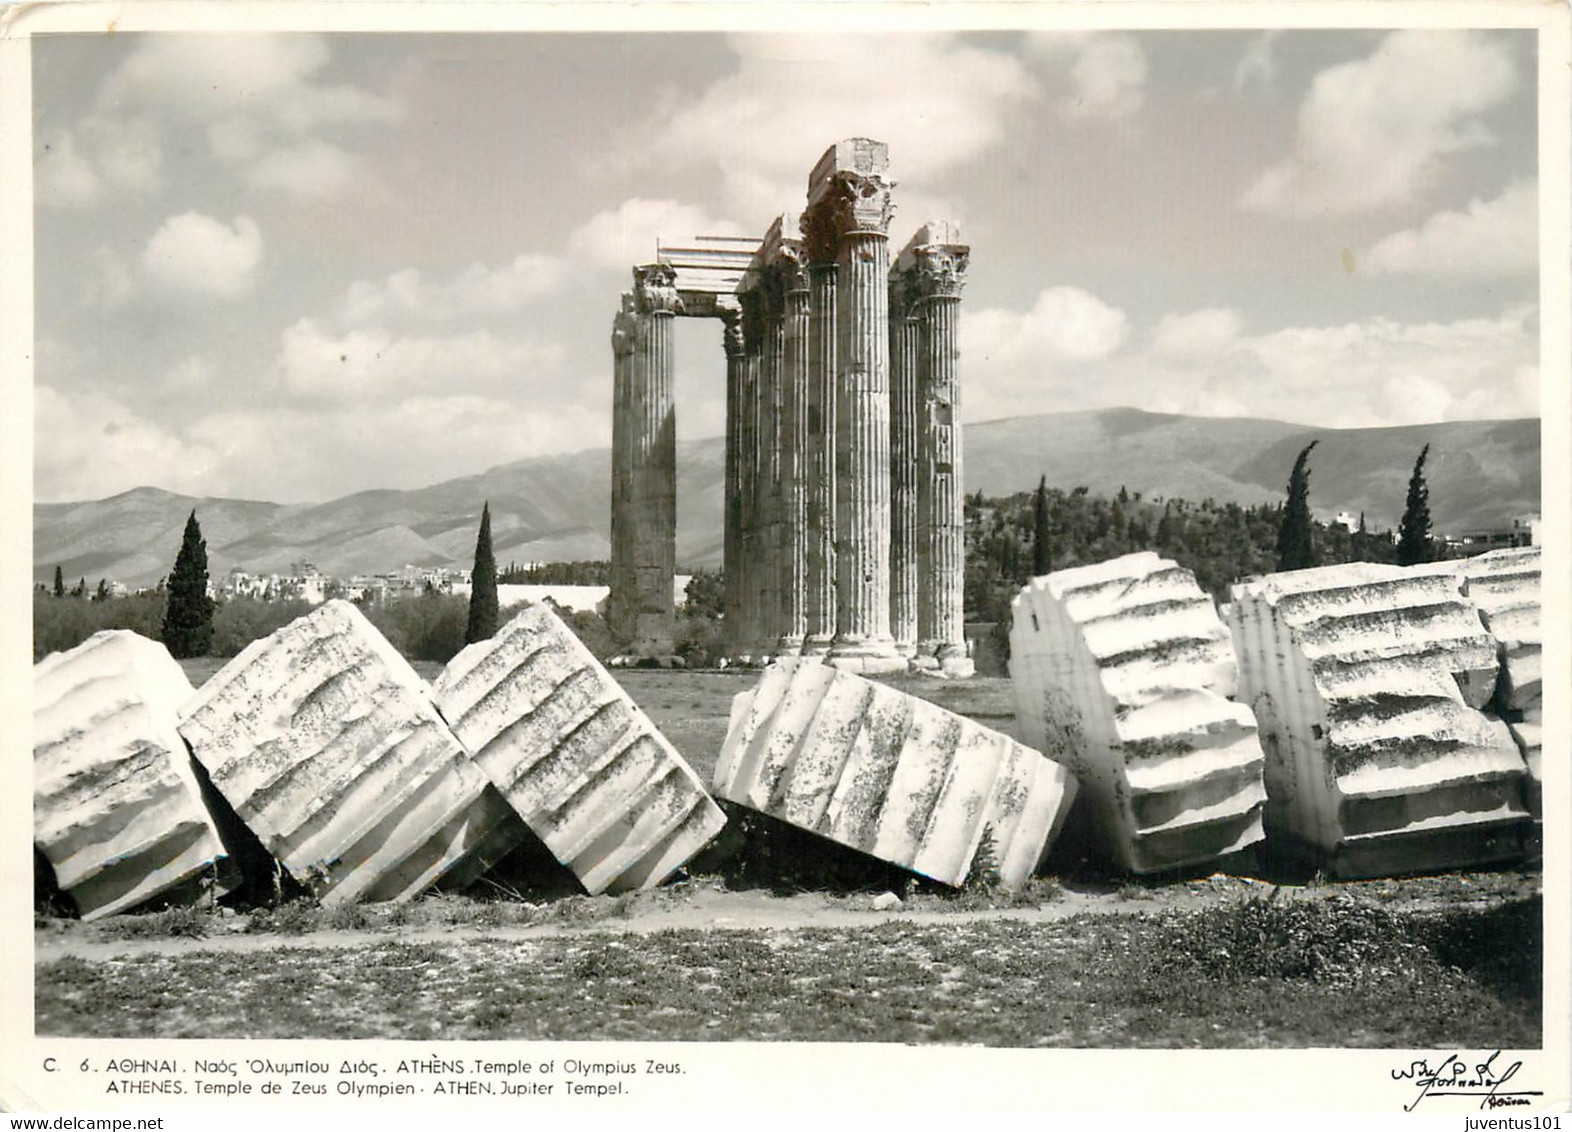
{"x": 1349, "y": 520}
{"x": 1521, "y": 530}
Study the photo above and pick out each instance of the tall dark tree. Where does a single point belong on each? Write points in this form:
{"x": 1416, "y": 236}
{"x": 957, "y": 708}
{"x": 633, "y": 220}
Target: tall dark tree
{"x": 1042, "y": 560}
{"x": 1295, "y": 551}
{"x": 482, "y": 584}
{"x": 1414, "y": 542}
{"x": 59, "y": 583}
{"x": 188, "y": 617}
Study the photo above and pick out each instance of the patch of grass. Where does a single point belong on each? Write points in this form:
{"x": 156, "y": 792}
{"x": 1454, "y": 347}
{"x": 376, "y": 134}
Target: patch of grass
{"x": 179, "y": 923}
{"x": 1297, "y": 974}
{"x": 297, "y": 917}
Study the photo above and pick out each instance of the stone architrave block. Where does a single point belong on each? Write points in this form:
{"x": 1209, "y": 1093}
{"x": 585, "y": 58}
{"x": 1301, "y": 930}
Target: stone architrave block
{"x": 326, "y": 743}
{"x": 1123, "y": 671}
{"x": 889, "y": 774}
{"x": 1367, "y": 682}
{"x": 575, "y": 756}
{"x": 117, "y": 810}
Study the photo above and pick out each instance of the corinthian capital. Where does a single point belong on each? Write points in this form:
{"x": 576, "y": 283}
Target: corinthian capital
{"x": 655, "y": 284}
{"x": 861, "y": 202}
{"x": 624, "y": 327}
{"x": 939, "y": 270}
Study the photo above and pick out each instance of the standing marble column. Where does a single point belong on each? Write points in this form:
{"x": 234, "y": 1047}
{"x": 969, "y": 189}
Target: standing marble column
{"x": 940, "y": 262}
{"x": 731, "y": 546}
{"x": 784, "y": 254}
{"x": 653, "y": 461}
{"x": 905, "y": 347}
{"x": 622, "y": 600}
{"x": 849, "y": 184}
{"x": 819, "y": 441}
{"x": 748, "y": 488}
{"x": 770, "y": 351}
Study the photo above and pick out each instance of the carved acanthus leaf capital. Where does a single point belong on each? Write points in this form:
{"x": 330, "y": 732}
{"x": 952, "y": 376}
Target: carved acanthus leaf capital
{"x": 862, "y": 202}
{"x": 731, "y": 332}
{"x": 624, "y": 327}
{"x": 789, "y": 267}
{"x": 655, "y": 284}
{"x": 904, "y": 295}
{"x": 939, "y": 270}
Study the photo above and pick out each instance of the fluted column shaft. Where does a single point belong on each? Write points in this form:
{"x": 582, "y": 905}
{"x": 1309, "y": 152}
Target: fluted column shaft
{"x": 947, "y": 532}
{"x": 771, "y": 348}
{"x": 652, "y": 464}
{"x": 792, "y": 546}
{"x": 862, "y": 449}
{"x": 905, "y": 346}
{"x": 819, "y": 449}
{"x": 621, "y": 601}
{"x": 731, "y": 536}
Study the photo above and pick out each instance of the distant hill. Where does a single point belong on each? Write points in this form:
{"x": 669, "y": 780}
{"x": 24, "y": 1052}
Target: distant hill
{"x": 555, "y": 508}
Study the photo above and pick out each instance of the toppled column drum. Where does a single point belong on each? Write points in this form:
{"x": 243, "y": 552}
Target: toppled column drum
{"x": 1122, "y": 671}
{"x": 1367, "y": 682}
{"x": 1504, "y": 585}
{"x": 889, "y": 774}
{"x": 117, "y": 810}
{"x": 574, "y": 756}
{"x": 326, "y": 743}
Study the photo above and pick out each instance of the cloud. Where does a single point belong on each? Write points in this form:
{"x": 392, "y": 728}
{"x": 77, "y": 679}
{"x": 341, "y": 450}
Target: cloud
{"x": 317, "y": 365}
{"x": 476, "y": 292}
{"x": 628, "y": 234}
{"x": 1490, "y": 238}
{"x": 1073, "y": 350}
{"x": 81, "y": 167}
{"x": 91, "y": 445}
{"x": 196, "y": 256}
{"x": 257, "y": 99}
{"x": 1372, "y": 133}
{"x": 936, "y": 101}
{"x": 1196, "y": 337}
{"x": 289, "y": 452}
{"x": 1258, "y": 65}
{"x": 1107, "y": 73}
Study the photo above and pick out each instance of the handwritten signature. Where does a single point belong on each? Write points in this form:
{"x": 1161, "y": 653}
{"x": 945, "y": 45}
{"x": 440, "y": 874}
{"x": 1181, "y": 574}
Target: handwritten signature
{"x": 1454, "y": 1077}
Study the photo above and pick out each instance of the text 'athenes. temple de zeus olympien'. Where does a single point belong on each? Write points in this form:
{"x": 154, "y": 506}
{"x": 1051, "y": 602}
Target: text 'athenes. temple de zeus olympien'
{"x": 844, "y": 525}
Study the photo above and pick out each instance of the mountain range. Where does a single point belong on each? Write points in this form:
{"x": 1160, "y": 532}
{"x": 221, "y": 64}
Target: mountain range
{"x": 556, "y": 508}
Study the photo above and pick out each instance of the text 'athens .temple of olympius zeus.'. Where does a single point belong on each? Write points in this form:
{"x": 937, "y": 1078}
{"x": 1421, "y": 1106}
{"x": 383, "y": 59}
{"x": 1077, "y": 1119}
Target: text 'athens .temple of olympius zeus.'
{"x": 844, "y": 528}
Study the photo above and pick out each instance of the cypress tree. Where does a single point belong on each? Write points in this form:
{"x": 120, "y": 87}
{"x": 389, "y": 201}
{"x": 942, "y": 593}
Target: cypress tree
{"x": 59, "y": 583}
{"x": 482, "y": 584}
{"x": 1414, "y": 544}
{"x": 188, "y": 618}
{"x": 1041, "y": 559}
{"x": 1294, "y": 548}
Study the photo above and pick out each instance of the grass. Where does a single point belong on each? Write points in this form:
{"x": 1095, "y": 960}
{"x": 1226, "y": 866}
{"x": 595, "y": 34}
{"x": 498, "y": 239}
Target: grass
{"x": 1336, "y": 972}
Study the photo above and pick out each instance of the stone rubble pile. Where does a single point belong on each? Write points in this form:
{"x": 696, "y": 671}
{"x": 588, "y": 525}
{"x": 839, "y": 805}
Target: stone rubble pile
{"x": 1123, "y": 672}
{"x": 889, "y": 774}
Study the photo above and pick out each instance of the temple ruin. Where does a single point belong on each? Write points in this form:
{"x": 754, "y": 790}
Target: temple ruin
{"x": 843, "y": 497}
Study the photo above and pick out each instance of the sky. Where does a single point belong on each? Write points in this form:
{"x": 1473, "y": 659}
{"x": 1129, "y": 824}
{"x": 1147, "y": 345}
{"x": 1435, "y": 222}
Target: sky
{"x": 294, "y": 266}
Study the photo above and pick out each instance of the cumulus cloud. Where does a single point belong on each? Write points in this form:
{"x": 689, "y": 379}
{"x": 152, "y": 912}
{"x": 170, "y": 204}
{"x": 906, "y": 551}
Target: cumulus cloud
{"x": 82, "y": 166}
{"x": 1199, "y": 336}
{"x": 476, "y": 292}
{"x": 258, "y": 99}
{"x": 1492, "y": 237}
{"x": 1106, "y": 72}
{"x": 936, "y": 101}
{"x": 319, "y": 365}
{"x": 1074, "y": 350}
{"x": 627, "y": 234}
{"x": 1372, "y": 133}
{"x": 1258, "y": 65}
{"x": 196, "y": 256}
{"x": 97, "y": 446}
